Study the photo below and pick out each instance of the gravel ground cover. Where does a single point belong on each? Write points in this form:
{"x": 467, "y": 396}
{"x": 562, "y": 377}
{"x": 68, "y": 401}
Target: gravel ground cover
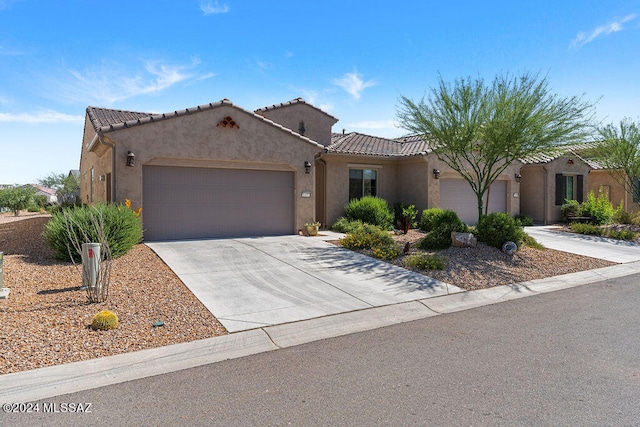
{"x": 45, "y": 321}
{"x": 485, "y": 266}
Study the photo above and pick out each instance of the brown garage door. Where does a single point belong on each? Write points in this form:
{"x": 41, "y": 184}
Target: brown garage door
{"x": 188, "y": 203}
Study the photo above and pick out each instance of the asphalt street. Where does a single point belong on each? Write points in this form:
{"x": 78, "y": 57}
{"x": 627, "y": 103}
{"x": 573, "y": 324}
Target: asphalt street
{"x": 562, "y": 358}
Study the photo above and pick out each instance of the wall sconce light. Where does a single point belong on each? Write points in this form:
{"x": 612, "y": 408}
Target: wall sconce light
{"x": 570, "y": 161}
{"x": 301, "y": 129}
{"x": 131, "y": 158}
{"x": 307, "y": 167}
{"x": 436, "y": 173}
{"x": 518, "y": 177}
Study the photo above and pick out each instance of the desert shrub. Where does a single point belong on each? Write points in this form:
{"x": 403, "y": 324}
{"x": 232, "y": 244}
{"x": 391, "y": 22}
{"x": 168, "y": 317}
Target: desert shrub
{"x": 439, "y": 224}
{"x": 497, "y": 228}
{"x": 368, "y": 237}
{"x": 524, "y": 220}
{"x": 405, "y": 216}
{"x": 570, "y": 208}
{"x": 599, "y": 208}
{"x": 122, "y": 229}
{"x": 33, "y": 208}
{"x": 426, "y": 262}
{"x": 438, "y": 218}
{"x": 386, "y": 252}
{"x": 529, "y": 241}
{"x": 343, "y": 225}
{"x": 370, "y": 210}
{"x": 105, "y": 320}
{"x": 621, "y": 234}
{"x": 620, "y": 216}
{"x": 588, "y": 229}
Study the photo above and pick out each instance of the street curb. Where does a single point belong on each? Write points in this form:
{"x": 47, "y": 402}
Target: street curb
{"x": 43, "y": 383}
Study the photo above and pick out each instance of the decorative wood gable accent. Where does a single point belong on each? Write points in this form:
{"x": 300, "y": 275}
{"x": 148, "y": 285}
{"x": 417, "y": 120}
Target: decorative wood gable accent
{"x": 228, "y": 122}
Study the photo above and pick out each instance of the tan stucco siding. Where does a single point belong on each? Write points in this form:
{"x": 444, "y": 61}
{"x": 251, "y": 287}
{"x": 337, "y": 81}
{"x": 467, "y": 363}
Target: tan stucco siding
{"x": 337, "y": 180}
{"x": 317, "y": 124}
{"x": 532, "y": 193}
{"x": 413, "y": 182}
{"x": 617, "y": 193}
{"x": 196, "y": 140}
{"x": 98, "y": 160}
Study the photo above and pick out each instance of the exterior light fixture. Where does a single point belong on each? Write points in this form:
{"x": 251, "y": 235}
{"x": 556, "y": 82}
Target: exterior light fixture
{"x": 307, "y": 167}
{"x": 518, "y": 177}
{"x": 301, "y": 129}
{"x": 436, "y": 173}
{"x": 131, "y": 158}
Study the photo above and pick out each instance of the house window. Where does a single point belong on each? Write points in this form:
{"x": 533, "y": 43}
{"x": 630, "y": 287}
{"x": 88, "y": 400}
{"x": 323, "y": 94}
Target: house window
{"x": 636, "y": 190}
{"x": 362, "y": 182}
{"x": 569, "y": 187}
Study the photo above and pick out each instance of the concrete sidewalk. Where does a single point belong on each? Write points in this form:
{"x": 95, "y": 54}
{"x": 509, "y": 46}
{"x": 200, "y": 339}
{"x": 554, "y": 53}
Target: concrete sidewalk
{"x": 592, "y": 246}
{"x": 53, "y": 381}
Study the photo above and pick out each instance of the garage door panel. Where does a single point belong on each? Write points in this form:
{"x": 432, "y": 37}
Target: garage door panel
{"x": 457, "y": 195}
{"x": 181, "y": 203}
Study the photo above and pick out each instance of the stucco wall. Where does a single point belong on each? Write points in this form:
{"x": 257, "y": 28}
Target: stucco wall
{"x": 100, "y": 160}
{"x": 617, "y": 192}
{"x": 413, "y": 182}
{"x": 569, "y": 165}
{"x": 316, "y": 123}
{"x": 195, "y": 140}
{"x": 337, "y": 181}
{"x": 532, "y": 194}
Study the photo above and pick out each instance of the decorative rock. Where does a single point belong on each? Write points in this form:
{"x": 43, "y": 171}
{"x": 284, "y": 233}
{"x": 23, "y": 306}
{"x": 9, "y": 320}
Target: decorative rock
{"x": 509, "y": 248}
{"x": 463, "y": 240}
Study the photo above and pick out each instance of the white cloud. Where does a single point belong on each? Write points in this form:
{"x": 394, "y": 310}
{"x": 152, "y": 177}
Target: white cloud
{"x": 110, "y": 83}
{"x": 213, "y": 8}
{"x": 353, "y": 84}
{"x": 583, "y": 38}
{"x": 46, "y": 116}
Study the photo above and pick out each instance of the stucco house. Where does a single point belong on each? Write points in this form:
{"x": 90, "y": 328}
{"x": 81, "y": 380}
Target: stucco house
{"x": 566, "y": 173}
{"x": 219, "y": 170}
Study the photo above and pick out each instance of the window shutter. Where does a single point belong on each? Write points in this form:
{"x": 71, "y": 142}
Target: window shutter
{"x": 579, "y": 192}
{"x": 559, "y": 189}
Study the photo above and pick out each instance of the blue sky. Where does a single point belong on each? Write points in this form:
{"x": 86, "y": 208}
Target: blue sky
{"x": 353, "y": 59}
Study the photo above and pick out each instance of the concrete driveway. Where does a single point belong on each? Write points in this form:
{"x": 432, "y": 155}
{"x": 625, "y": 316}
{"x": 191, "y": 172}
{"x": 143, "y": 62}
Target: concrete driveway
{"x": 592, "y": 246}
{"x": 254, "y": 282}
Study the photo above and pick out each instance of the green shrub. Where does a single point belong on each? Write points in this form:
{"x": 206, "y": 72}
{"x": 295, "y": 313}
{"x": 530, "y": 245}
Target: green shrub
{"x": 620, "y": 216}
{"x": 524, "y": 220}
{"x": 122, "y": 229}
{"x": 343, "y": 225}
{"x": 370, "y": 210}
{"x": 570, "y": 208}
{"x": 531, "y": 242}
{"x": 436, "y": 218}
{"x": 498, "y": 228}
{"x": 426, "y": 262}
{"x": 33, "y": 208}
{"x": 388, "y": 252}
{"x": 439, "y": 224}
{"x": 588, "y": 229}
{"x": 368, "y": 237}
{"x": 599, "y": 208}
{"x": 621, "y": 234}
{"x": 405, "y": 216}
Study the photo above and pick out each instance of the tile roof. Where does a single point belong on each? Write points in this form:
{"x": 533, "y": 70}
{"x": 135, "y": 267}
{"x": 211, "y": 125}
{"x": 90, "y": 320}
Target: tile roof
{"x": 289, "y": 103}
{"x": 106, "y": 120}
{"x": 367, "y": 145}
{"x": 581, "y": 150}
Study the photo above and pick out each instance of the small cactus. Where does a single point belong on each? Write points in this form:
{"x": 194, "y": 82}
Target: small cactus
{"x": 105, "y": 320}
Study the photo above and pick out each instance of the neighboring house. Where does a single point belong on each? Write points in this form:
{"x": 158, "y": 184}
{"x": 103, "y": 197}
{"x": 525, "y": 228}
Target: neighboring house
{"x": 48, "y": 193}
{"x": 218, "y": 170}
{"x": 565, "y": 173}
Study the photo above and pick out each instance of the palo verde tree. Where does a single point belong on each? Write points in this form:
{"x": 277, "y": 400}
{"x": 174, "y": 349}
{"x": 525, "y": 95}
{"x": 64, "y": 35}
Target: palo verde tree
{"x": 619, "y": 152}
{"x": 479, "y": 129}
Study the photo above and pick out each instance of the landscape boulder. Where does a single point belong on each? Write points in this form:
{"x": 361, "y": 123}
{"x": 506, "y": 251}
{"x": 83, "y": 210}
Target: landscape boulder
{"x": 463, "y": 240}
